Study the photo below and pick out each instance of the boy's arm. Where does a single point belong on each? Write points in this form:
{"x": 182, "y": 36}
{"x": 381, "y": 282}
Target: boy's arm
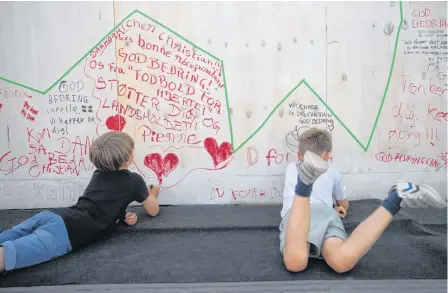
{"x": 343, "y": 203}
{"x": 130, "y": 217}
{"x": 151, "y": 204}
{"x": 339, "y": 194}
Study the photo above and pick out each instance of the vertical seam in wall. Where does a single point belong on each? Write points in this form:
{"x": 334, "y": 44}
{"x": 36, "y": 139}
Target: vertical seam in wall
{"x": 115, "y": 51}
{"x": 326, "y": 67}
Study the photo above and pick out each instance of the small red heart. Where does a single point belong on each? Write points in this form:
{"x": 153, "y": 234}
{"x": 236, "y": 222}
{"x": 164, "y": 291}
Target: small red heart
{"x": 161, "y": 167}
{"x": 116, "y": 122}
{"x": 220, "y": 154}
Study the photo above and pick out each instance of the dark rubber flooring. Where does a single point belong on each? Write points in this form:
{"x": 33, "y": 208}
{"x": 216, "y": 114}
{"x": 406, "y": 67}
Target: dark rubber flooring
{"x": 202, "y": 244}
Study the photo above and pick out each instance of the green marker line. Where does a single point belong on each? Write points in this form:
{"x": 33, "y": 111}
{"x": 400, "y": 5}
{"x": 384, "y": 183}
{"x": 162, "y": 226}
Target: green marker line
{"x": 228, "y": 106}
{"x": 22, "y": 85}
{"x": 375, "y": 124}
{"x": 334, "y": 114}
{"x": 365, "y": 148}
{"x": 87, "y": 53}
{"x": 177, "y": 34}
{"x": 269, "y": 116}
{"x": 71, "y": 68}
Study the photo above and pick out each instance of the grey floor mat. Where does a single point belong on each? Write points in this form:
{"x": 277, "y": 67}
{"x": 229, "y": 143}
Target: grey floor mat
{"x": 234, "y": 244}
{"x": 308, "y": 286}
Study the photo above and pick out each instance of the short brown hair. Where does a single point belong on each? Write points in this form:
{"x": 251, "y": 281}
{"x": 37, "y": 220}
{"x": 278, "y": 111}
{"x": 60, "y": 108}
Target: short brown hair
{"x": 315, "y": 140}
{"x": 111, "y": 151}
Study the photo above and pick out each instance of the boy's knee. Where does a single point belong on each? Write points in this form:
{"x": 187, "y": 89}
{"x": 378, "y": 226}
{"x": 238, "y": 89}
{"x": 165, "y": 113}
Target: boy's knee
{"x": 295, "y": 262}
{"x": 337, "y": 257}
{"x": 341, "y": 262}
{"x": 342, "y": 266}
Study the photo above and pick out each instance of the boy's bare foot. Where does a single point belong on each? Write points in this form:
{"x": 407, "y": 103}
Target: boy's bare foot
{"x": 153, "y": 190}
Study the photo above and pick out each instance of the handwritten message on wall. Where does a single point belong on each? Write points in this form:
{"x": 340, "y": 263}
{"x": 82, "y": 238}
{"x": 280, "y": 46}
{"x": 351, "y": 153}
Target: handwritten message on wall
{"x": 176, "y": 99}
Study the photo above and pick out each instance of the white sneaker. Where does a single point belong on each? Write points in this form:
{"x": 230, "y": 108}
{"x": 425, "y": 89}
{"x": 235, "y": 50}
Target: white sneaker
{"x": 311, "y": 168}
{"x": 418, "y": 196}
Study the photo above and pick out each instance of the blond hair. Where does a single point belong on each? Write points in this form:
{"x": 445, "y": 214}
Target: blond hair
{"x": 315, "y": 140}
{"x": 111, "y": 151}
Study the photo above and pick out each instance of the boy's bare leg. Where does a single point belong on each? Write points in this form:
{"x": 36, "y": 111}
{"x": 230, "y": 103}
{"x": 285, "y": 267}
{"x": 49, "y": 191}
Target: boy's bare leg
{"x": 342, "y": 256}
{"x": 296, "y": 250}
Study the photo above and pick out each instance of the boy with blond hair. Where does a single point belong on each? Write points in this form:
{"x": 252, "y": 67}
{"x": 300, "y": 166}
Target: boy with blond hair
{"x": 312, "y": 227}
{"x": 56, "y": 232}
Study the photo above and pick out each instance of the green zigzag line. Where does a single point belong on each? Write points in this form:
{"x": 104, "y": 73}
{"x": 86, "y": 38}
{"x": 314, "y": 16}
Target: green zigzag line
{"x": 303, "y": 82}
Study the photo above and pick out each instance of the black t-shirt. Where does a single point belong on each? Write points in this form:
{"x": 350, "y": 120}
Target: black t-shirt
{"x": 102, "y": 205}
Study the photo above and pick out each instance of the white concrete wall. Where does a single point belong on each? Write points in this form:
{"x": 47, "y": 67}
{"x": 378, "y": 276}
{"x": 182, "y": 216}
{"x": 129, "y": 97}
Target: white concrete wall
{"x": 373, "y": 75}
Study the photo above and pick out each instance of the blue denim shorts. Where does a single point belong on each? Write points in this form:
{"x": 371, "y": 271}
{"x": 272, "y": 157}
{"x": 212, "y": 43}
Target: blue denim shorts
{"x": 38, "y": 239}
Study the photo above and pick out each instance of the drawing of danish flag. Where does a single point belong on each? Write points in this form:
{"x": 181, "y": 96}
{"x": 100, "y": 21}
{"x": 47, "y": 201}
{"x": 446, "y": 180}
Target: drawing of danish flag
{"x": 28, "y": 111}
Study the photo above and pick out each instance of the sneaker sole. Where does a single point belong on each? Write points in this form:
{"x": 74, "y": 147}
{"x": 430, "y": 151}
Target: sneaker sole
{"x": 428, "y": 197}
{"x": 315, "y": 163}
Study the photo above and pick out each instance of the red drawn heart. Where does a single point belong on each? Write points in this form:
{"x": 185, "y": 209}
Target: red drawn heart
{"x": 162, "y": 167}
{"x": 116, "y": 122}
{"x": 218, "y": 154}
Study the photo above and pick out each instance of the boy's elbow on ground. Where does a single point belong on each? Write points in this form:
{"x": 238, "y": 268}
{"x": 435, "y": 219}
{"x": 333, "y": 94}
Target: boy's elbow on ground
{"x": 153, "y": 212}
{"x": 151, "y": 207}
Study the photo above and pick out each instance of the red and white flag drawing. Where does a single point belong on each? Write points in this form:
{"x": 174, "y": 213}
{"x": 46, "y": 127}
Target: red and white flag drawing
{"x": 28, "y": 111}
